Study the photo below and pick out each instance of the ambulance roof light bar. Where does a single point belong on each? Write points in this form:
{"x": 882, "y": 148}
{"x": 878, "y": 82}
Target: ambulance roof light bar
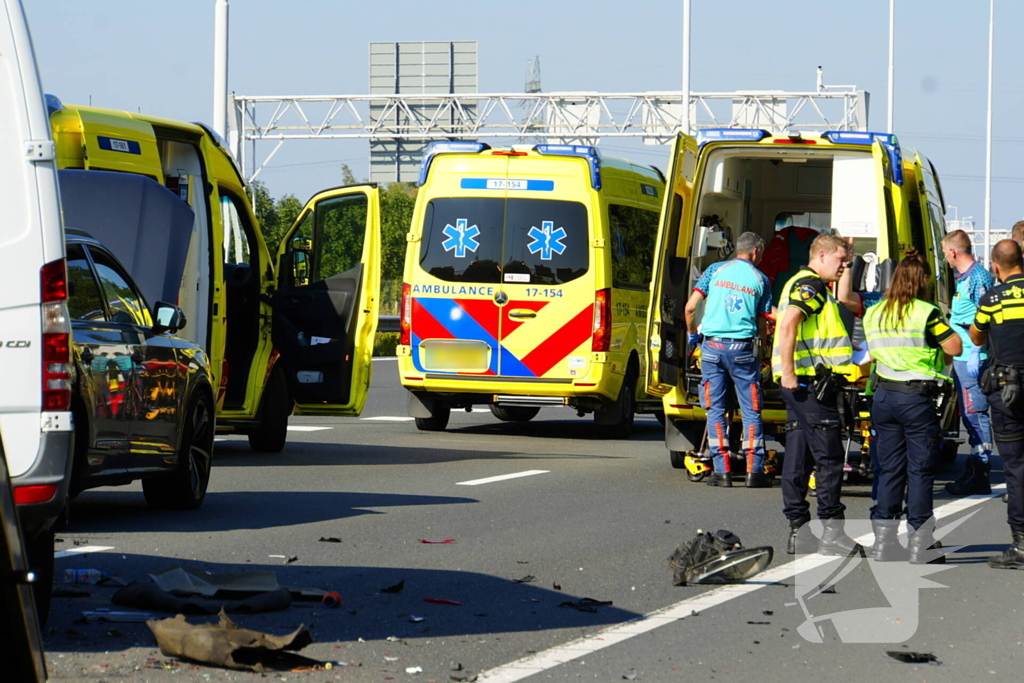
{"x": 706, "y": 135}
{"x": 849, "y": 137}
{"x": 591, "y": 154}
{"x": 448, "y": 147}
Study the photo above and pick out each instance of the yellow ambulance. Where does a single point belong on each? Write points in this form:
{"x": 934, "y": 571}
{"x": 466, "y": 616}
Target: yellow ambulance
{"x": 526, "y": 283}
{"x": 788, "y": 189}
{"x": 287, "y": 333}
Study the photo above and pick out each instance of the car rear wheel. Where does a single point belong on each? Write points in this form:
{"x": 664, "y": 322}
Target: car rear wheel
{"x": 185, "y": 488}
{"x": 438, "y": 420}
{"x": 514, "y": 413}
{"x": 275, "y": 408}
{"x": 625, "y": 404}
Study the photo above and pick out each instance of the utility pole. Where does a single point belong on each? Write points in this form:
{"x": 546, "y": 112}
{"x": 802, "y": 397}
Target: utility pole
{"x": 686, "y": 68}
{"x": 220, "y": 69}
{"x": 988, "y": 140}
{"x": 892, "y": 66}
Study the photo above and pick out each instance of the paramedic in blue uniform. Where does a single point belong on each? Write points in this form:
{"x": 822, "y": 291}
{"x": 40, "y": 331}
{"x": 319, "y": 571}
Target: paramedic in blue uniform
{"x": 1000, "y": 321}
{"x": 738, "y": 299}
{"x": 972, "y": 281}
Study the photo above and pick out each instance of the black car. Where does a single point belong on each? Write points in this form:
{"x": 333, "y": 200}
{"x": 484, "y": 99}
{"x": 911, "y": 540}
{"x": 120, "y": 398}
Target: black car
{"x": 143, "y": 403}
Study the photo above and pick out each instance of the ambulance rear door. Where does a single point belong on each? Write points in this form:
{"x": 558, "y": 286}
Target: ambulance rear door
{"x": 670, "y": 288}
{"x": 326, "y": 305}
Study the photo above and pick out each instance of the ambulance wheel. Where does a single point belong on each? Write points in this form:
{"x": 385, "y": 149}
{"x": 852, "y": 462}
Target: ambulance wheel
{"x": 438, "y": 420}
{"x": 678, "y": 460}
{"x": 514, "y": 413}
{"x": 275, "y": 407}
{"x": 625, "y": 405}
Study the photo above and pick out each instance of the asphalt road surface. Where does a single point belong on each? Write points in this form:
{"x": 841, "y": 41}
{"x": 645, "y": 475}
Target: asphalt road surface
{"x": 582, "y": 518}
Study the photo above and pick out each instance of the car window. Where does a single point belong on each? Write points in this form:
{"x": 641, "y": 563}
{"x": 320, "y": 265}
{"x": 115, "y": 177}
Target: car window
{"x": 490, "y": 239}
{"x": 339, "y": 233}
{"x": 84, "y": 299}
{"x": 125, "y": 303}
{"x": 633, "y": 232}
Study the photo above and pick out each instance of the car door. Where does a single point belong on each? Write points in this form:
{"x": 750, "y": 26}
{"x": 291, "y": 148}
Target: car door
{"x": 324, "y": 329}
{"x": 151, "y": 369}
{"x": 666, "y": 328}
{"x": 103, "y": 359}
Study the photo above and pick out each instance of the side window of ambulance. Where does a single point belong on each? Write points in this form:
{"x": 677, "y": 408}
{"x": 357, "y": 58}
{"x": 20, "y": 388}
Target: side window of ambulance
{"x": 236, "y": 241}
{"x": 339, "y": 230}
{"x": 633, "y": 233}
{"x": 84, "y": 299}
{"x": 125, "y": 303}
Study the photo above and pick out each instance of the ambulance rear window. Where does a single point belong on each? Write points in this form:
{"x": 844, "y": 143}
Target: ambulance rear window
{"x": 485, "y": 239}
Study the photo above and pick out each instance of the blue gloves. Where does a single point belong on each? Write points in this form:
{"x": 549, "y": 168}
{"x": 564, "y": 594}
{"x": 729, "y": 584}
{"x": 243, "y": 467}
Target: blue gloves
{"x": 974, "y": 363}
{"x": 693, "y": 340}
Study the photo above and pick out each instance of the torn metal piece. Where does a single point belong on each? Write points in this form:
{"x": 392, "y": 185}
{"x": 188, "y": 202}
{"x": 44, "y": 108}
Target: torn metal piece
{"x": 106, "y": 614}
{"x": 148, "y": 596}
{"x": 913, "y": 657}
{"x": 228, "y": 584}
{"x": 587, "y": 604}
{"x": 225, "y": 644}
{"x": 717, "y": 558}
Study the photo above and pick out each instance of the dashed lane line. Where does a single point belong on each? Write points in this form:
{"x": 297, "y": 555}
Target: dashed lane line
{"x": 388, "y": 418}
{"x": 306, "y": 428}
{"x": 501, "y": 477}
{"x": 556, "y": 656}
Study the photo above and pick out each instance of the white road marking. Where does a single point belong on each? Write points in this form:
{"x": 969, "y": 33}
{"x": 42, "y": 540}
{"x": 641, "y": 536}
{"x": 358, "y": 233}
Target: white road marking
{"x": 384, "y": 358}
{"x": 306, "y": 428}
{"x": 82, "y": 549}
{"x": 388, "y": 418}
{"x": 576, "y": 649}
{"x": 501, "y": 477}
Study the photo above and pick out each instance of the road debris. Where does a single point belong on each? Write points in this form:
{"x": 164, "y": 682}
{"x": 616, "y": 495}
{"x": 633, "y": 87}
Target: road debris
{"x": 587, "y": 604}
{"x": 329, "y": 539}
{"x": 106, "y": 614}
{"x": 914, "y": 657}
{"x": 331, "y": 600}
{"x": 447, "y": 540}
{"x": 397, "y": 588}
{"x": 415, "y": 619}
{"x": 149, "y": 596}
{"x": 442, "y": 601}
{"x": 414, "y": 670}
{"x": 529, "y": 578}
{"x": 225, "y": 644}
{"x": 717, "y": 558}
{"x": 556, "y": 586}
{"x": 234, "y": 584}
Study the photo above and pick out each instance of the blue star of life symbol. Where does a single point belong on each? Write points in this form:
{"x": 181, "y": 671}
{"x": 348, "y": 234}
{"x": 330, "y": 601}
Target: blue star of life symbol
{"x": 461, "y": 237}
{"x": 546, "y": 240}
{"x": 734, "y": 303}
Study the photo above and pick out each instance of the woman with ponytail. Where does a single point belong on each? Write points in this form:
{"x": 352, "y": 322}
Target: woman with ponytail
{"x": 911, "y": 344}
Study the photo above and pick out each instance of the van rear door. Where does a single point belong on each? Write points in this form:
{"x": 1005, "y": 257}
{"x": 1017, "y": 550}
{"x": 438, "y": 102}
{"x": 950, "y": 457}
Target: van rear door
{"x": 670, "y": 289}
{"x": 325, "y": 309}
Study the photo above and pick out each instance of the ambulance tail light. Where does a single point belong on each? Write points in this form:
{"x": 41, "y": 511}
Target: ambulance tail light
{"x": 602, "y": 321}
{"x": 405, "y": 323}
{"x": 56, "y": 328}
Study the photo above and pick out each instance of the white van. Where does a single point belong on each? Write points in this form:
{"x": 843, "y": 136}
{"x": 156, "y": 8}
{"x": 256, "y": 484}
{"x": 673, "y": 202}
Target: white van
{"x": 35, "y": 380}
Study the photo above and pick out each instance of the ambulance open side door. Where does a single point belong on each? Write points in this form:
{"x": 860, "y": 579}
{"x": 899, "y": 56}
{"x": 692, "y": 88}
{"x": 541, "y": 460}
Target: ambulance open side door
{"x": 326, "y": 304}
{"x": 891, "y": 243}
{"x": 666, "y": 328}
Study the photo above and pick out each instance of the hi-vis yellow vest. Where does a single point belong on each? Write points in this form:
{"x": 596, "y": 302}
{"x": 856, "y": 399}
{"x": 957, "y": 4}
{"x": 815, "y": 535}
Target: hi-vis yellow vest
{"x": 820, "y": 338}
{"x": 902, "y": 353}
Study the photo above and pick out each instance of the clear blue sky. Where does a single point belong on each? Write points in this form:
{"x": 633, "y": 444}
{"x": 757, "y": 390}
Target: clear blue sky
{"x": 157, "y": 57}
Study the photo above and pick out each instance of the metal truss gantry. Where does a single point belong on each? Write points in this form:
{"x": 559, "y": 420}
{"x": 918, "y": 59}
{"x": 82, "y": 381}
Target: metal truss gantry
{"x": 570, "y": 117}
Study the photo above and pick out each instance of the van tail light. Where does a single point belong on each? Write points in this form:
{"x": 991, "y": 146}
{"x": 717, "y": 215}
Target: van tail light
{"x": 405, "y": 323}
{"x": 602, "y": 320}
{"x": 26, "y": 495}
{"x": 56, "y": 337}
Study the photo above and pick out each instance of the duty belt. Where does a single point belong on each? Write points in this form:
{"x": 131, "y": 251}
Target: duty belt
{"x": 916, "y": 386}
{"x": 727, "y": 339}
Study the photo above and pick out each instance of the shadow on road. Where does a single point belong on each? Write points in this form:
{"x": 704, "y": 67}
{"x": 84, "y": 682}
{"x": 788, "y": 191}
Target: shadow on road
{"x": 489, "y": 605}
{"x": 107, "y": 511}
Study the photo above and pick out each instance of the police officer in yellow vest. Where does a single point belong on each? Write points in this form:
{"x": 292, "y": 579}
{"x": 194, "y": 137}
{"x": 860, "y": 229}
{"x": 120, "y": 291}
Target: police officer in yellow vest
{"x": 911, "y": 344}
{"x": 812, "y": 343}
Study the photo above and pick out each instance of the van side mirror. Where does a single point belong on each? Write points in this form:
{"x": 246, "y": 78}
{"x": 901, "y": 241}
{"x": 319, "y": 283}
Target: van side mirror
{"x": 295, "y": 268}
{"x": 167, "y": 317}
{"x": 303, "y": 244}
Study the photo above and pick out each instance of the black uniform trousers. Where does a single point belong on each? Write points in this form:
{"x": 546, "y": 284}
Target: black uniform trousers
{"x": 1008, "y": 431}
{"x": 907, "y": 446}
{"x": 817, "y": 445}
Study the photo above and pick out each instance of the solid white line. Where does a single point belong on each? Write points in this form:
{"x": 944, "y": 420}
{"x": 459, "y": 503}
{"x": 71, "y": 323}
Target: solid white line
{"x": 501, "y": 477}
{"x": 306, "y": 428}
{"x": 82, "y": 549}
{"x": 388, "y": 418}
{"x": 556, "y": 656}
{"x": 384, "y": 358}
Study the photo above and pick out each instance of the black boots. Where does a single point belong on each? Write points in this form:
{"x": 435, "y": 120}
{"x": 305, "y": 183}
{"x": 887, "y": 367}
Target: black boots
{"x": 1012, "y": 557}
{"x": 758, "y": 480}
{"x": 834, "y": 540}
{"x": 719, "y": 479}
{"x": 887, "y": 546}
{"x": 923, "y": 547}
{"x": 974, "y": 480}
{"x": 794, "y": 529}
